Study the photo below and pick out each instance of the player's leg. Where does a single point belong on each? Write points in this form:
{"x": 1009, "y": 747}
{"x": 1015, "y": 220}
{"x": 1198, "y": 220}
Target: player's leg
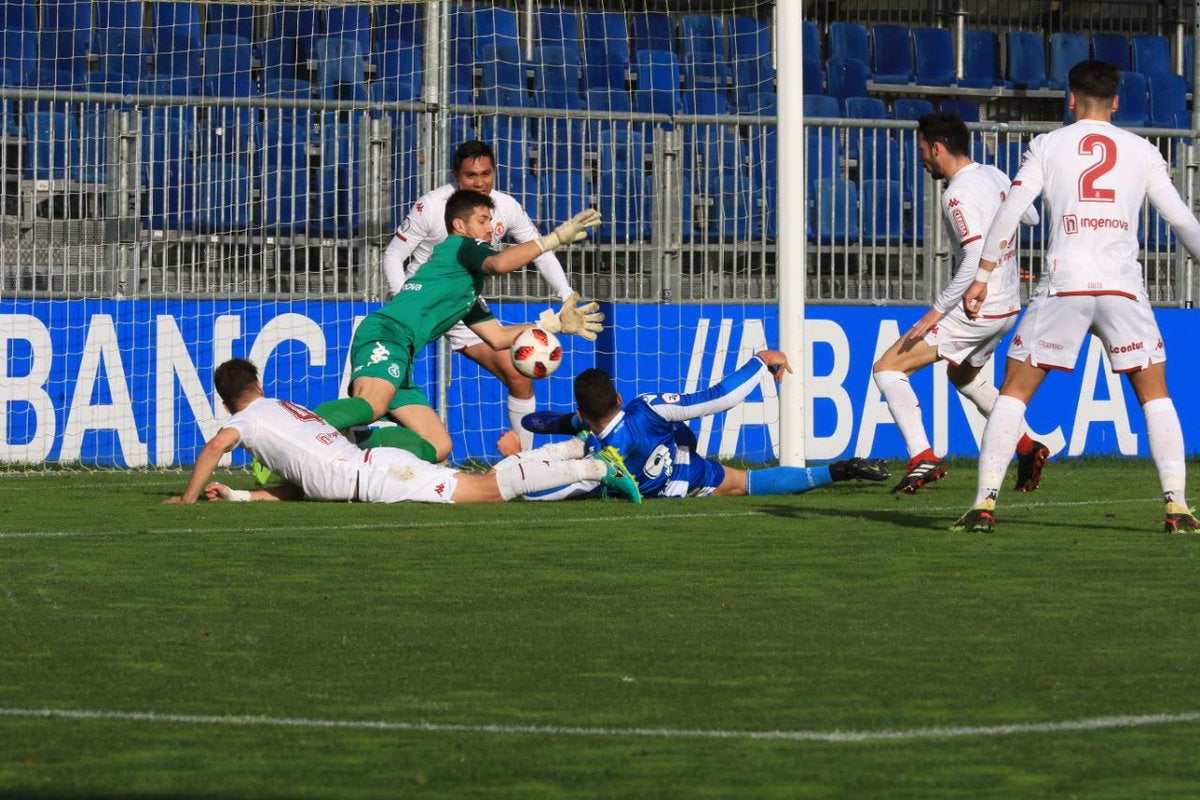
{"x": 794, "y": 480}
{"x": 422, "y": 420}
{"x": 368, "y": 401}
{"x": 517, "y": 477}
{"x": 891, "y": 373}
{"x": 396, "y": 436}
{"x": 520, "y": 388}
{"x": 381, "y": 361}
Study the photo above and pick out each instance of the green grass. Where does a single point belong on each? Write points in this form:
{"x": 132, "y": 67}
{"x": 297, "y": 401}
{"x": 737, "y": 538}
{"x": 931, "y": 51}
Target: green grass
{"x": 533, "y": 638}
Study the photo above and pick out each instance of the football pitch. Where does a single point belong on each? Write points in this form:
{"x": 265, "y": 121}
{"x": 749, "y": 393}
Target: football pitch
{"x": 841, "y": 643}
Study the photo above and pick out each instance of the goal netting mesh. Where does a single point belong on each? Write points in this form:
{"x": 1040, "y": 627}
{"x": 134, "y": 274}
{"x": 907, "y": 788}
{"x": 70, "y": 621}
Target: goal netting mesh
{"x": 186, "y": 182}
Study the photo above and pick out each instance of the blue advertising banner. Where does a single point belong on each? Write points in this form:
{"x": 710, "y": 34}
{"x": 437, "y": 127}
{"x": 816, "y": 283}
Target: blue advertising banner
{"x": 128, "y": 382}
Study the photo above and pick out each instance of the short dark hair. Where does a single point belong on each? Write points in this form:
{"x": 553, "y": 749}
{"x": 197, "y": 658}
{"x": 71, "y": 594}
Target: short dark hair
{"x": 233, "y": 378}
{"x": 946, "y": 128}
{"x": 473, "y": 149}
{"x": 595, "y": 394}
{"x": 462, "y": 203}
{"x": 1094, "y": 78}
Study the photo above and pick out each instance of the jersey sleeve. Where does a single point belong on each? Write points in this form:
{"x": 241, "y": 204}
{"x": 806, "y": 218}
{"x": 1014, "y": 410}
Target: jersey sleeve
{"x": 966, "y": 218}
{"x": 480, "y": 312}
{"x": 409, "y": 236}
{"x": 1025, "y": 189}
{"x": 473, "y": 253}
{"x": 721, "y": 396}
{"x": 549, "y": 267}
{"x": 1165, "y": 197}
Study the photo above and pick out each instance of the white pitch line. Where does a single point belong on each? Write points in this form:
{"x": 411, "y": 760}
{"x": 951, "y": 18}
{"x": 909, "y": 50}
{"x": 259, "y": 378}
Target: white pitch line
{"x": 832, "y": 737}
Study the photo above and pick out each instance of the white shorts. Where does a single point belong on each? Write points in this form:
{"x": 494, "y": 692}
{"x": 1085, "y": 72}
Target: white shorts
{"x": 1053, "y": 330}
{"x": 461, "y": 337}
{"x": 392, "y": 475}
{"x": 961, "y": 340}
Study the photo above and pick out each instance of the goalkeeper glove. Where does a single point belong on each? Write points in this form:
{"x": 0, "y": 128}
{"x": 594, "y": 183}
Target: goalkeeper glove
{"x": 573, "y": 230}
{"x": 573, "y": 318}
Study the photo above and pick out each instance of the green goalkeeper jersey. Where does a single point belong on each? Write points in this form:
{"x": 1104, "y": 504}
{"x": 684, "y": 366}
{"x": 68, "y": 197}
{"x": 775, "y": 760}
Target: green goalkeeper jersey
{"x": 443, "y": 291}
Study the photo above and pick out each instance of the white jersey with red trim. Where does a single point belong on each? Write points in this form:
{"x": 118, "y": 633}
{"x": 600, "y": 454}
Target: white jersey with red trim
{"x": 969, "y": 202}
{"x": 300, "y": 447}
{"x": 425, "y": 227}
{"x": 1094, "y": 177}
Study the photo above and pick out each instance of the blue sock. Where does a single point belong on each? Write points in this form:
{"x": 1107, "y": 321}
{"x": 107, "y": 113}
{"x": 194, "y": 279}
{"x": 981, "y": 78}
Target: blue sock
{"x": 786, "y": 480}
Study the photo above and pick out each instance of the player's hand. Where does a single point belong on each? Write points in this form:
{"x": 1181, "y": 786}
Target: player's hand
{"x": 924, "y": 325}
{"x": 573, "y": 318}
{"x": 573, "y": 230}
{"x": 776, "y": 361}
{"x": 178, "y": 498}
{"x": 216, "y": 490}
{"x": 973, "y": 298}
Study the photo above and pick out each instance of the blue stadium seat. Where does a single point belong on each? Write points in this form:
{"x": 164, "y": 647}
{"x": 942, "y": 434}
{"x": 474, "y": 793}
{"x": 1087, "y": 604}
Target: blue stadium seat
{"x": 176, "y": 25}
{"x": 702, "y": 39}
{"x": 811, "y": 39}
{"x": 512, "y": 143}
{"x": 764, "y": 162}
{"x": 284, "y": 178}
{"x": 729, "y": 202}
{"x": 657, "y": 87}
{"x": 8, "y": 120}
{"x": 299, "y": 25}
{"x": 1168, "y": 101}
{"x": 847, "y": 77}
{"x": 123, "y": 15}
{"x": 933, "y": 50}
{"x": 19, "y": 52}
{"x": 821, "y": 105}
{"x": 1151, "y": 55}
{"x": 1113, "y": 48}
{"x": 911, "y": 108}
{"x": 52, "y": 146}
{"x": 340, "y": 66}
{"x": 227, "y": 61}
{"x": 462, "y": 55}
{"x": 55, "y": 80}
{"x": 882, "y": 211}
{"x": 864, "y": 108}
{"x": 277, "y": 60}
{"x": 606, "y": 52}
{"x": 833, "y": 213}
{"x": 122, "y": 51}
{"x": 339, "y": 182}
{"x": 179, "y": 57}
{"x": 407, "y": 180}
{"x": 813, "y": 76}
{"x": 496, "y": 32}
{"x": 625, "y": 187}
{"x": 1133, "y": 106}
{"x": 101, "y": 82}
{"x": 1026, "y": 59}
{"x": 880, "y": 160}
{"x": 556, "y": 79}
{"x": 93, "y": 129}
{"x": 1066, "y": 50}
{"x": 166, "y": 169}
{"x": 399, "y": 22}
{"x": 403, "y": 64}
{"x": 229, "y": 19}
{"x": 981, "y": 59}
{"x": 1007, "y": 157}
{"x": 222, "y": 198}
{"x": 824, "y": 155}
{"x": 564, "y": 194}
{"x": 298, "y": 120}
{"x": 349, "y": 22}
{"x": 67, "y": 38}
{"x": 749, "y": 45}
{"x": 168, "y": 85}
{"x": 559, "y": 27}
{"x": 891, "y": 54}
{"x": 762, "y": 103}
{"x": 18, "y": 15}
{"x": 503, "y": 82}
{"x": 849, "y": 40}
{"x": 705, "y": 100}
{"x": 652, "y": 30}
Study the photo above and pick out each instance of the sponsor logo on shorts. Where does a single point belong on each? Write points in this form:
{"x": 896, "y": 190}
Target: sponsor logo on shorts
{"x": 1073, "y": 224}
{"x": 1042, "y": 343}
{"x": 380, "y": 353}
{"x": 1127, "y": 348}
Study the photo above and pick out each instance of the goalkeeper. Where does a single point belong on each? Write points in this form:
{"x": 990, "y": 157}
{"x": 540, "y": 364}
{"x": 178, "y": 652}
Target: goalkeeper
{"x": 660, "y": 449}
{"x": 443, "y": 291}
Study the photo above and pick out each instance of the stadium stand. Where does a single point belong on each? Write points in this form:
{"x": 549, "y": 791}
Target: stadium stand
{"x": 981, "y": 59}
{"x": 1133, "y": 106}
{"x": 933, "y": 51}
{"x": 1026, "y": 59}
{"x": 891, "y": 54}
{"x": 1113, "y": 48}
{"x": 1066, "y": 50}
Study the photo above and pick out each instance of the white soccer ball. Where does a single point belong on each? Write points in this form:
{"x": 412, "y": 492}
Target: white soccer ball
{"x": 536, "y": 353}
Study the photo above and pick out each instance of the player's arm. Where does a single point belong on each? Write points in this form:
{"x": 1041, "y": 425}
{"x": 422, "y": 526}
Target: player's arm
{"x": 1165, "y": 198}
{"x": 1004, "y": 226}
{"x": 513, "y": 258}
{"x": 210, "y": 455}
{"x": 721, "y": 396}
{"x": 400, "y": 249}
{"x": 497, "y": 336}
{"x": 970, "y": 226}
{"x": 284, "y": 490}
{"x": 548, "y": 266}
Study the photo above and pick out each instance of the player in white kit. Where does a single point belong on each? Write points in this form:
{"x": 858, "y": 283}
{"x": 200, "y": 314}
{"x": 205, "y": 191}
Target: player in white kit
{"x": 1094, "y": 177}
{"x": 424, "y": 227}
{"x": 972, "y": 195}
{"x": 317, "y": 462}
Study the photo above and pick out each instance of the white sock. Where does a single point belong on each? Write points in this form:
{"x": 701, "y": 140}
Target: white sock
{"x": 905, "y": 407}
{"x": 518, "y": 408}
{"x": 1166, "y": 447}
{"x": 565, "y": 450}
{"x": 999, "y": 439}
{"x": 517, "y": 477}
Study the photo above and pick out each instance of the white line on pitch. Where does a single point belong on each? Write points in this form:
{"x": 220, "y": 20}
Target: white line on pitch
{"x": 834, "y": 737}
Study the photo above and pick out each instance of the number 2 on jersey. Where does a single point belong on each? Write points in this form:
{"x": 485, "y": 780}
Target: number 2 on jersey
{"x": 1093, "y": 144}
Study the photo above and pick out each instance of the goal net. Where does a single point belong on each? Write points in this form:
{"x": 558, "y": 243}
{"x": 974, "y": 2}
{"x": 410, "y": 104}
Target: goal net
{"x": 187, "y": 182}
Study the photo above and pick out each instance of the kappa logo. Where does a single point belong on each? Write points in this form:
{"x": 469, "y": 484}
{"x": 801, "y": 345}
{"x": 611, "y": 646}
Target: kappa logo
{"x": 380, "y": 353}
{"x": 419, "y": 207}
{"x": 440, "y": 489}
{"x": 1017, "y": 342}
{"x": 954, "y": 202}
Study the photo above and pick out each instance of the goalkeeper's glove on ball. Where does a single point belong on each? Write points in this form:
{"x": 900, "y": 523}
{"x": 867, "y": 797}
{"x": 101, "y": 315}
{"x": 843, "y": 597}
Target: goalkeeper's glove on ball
{"x": 582, "y": 320}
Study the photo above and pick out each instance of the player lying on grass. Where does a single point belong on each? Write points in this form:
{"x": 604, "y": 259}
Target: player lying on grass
{"x": 317, "y": 462}
{"x": 442, "y": 292}
{"x": 973, "y": 193}
{"x": 660, "y": 449}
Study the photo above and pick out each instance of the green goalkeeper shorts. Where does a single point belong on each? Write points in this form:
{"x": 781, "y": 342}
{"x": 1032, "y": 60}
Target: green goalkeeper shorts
{"x": 384, "y": 350}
